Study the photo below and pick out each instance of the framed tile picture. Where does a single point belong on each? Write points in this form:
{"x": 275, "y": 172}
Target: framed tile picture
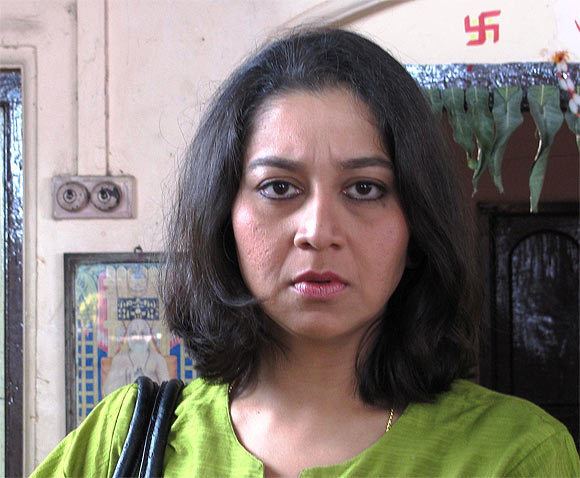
{"x": 114, "y": 328}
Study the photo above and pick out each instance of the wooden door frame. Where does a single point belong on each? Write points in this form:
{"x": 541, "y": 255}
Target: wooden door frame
{"x": 11, "y": 99}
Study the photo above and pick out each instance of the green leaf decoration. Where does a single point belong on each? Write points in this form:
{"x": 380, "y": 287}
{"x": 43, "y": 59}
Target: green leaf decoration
{"x": 507, "y": 115}
{"x": 544, "y": 101}
{"x": 573, "y": 122}
{"x": 483, "y": 127}
{"x": 454, "y": 102}
{"x": 434, "y": 97}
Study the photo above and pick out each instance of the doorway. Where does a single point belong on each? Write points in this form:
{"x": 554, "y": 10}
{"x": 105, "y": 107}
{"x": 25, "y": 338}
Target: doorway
{"x": 532, "y": 345}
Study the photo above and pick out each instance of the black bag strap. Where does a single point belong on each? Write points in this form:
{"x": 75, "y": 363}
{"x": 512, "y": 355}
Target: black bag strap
{"x": 159, "y": 426}
{"x": 142, "y": 454}
{"x": 133, "y": 448}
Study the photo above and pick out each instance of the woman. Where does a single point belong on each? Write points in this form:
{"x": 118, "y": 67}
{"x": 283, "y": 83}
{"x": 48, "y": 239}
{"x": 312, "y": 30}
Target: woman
{"x": 320, "y": 272}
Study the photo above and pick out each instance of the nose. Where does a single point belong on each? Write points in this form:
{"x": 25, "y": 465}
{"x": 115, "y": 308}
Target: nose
{"x": 319, "y": 224}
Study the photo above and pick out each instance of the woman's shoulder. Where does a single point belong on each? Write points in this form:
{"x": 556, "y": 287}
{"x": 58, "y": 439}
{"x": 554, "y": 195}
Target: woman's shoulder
{"x": 471, "y": 424}
{"x": 93, "y": 448}
{"x": 492, "y": 408}
{"x": 204, "y": 403}
{"x": 202, "y": 391}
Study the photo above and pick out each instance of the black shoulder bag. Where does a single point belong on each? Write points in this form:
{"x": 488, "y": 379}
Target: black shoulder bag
{"x": 142, "y": 454}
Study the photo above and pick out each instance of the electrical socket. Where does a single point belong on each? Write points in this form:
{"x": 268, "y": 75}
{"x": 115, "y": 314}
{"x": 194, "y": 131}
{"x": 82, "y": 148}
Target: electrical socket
{"x": 93, "y": 197}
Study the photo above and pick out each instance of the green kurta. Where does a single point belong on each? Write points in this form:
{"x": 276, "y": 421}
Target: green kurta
{"x": 468, "y": 431}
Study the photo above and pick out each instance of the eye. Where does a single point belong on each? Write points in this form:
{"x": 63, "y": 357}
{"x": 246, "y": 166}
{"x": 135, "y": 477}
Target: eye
{"x": 365, "y": 191}
{"x": 279, "y": 190}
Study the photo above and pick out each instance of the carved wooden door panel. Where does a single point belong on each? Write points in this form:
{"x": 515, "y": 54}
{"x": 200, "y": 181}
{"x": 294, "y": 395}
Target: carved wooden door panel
{"x": 533, "y": 346}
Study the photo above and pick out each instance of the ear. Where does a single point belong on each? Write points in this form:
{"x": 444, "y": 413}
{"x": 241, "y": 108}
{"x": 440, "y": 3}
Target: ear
{"x": 415, "y": 255}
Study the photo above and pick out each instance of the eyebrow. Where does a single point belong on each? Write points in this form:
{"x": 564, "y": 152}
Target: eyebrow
{"x": 274, "y": 162}
{"x": 290, "y": 165}
{"x": 367, "y": 162}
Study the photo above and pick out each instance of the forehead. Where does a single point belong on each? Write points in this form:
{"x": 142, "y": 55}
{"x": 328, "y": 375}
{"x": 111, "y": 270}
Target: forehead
{"x": 300, "y": 122}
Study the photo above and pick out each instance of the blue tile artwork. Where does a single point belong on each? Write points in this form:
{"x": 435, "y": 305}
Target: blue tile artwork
{"x": 109, "y": 296}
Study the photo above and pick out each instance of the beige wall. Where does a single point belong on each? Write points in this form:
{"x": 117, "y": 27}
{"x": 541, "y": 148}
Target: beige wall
{"x": 432, "y": 31}
{"x": 115, "y": 86}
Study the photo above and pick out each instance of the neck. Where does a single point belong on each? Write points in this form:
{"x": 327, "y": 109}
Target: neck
{"x": 310, "y": 374}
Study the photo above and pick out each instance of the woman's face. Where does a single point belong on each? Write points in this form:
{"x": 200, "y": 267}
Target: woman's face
{"x": 320, "y": 232}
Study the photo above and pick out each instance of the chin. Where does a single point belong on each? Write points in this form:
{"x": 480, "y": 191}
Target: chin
{"x": 319, "y": 328}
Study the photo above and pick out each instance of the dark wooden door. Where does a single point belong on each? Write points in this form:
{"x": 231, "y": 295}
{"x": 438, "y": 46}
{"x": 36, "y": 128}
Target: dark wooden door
{"x": 11, "y": 269}
{"x": 532, "y": 348}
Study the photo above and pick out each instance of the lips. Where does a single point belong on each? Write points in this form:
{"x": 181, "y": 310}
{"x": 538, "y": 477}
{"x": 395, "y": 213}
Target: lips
{"x": 319, "y": 285}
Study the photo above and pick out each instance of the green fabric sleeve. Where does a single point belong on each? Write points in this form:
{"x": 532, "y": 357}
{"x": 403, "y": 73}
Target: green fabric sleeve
{"x": 93, "y": 449}
{"x": 555, "y": 456}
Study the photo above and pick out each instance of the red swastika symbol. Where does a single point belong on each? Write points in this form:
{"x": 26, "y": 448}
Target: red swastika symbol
{"x": 482, "y": 27}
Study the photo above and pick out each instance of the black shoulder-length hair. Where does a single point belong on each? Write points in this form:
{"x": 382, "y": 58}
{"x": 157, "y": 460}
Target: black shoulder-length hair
{"x": 428, "y": 335}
